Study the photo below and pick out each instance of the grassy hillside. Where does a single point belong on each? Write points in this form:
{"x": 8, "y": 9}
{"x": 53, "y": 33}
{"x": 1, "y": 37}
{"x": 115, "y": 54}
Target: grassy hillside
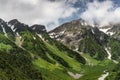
{"x": 15, "y": 62}
{"x": 90, "y": 45}
{"x": 32, "y": 57}
{"x": 94, "y": 68}
{"x": 52, "y": 60}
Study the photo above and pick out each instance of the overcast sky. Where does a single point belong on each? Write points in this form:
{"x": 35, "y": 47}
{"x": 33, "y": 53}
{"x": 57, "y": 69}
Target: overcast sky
{"x": 52, "y": 13}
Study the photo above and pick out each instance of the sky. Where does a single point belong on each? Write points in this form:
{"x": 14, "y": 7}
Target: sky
{"x": 53, "y": 13}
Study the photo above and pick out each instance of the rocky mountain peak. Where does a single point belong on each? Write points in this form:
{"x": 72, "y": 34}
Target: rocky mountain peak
{"x": 38, "y": 28}
{"x": 12, "y": 22}
{"x": 17, "y": 26}
{"x": 75, "y": 25}
{"x": 75, "y": 33}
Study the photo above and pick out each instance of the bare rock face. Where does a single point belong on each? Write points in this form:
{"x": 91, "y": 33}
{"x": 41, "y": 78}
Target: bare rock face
{"x": 72, "y": 33}
{"x": 17, "y": 27}
{"x": 80, "y": 36}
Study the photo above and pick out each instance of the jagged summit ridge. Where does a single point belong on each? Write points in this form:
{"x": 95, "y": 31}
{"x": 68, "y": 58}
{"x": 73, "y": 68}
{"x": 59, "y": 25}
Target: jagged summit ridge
{"x": 16, "y": 27}
{"x": 38, "y": 28}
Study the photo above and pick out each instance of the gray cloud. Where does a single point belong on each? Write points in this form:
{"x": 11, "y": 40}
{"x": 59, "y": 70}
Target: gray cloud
{"x": 46, "y": 12}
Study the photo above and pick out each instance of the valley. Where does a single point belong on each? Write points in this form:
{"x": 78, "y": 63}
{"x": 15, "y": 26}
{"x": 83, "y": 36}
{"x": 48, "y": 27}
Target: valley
{"x": 72, "y": 51}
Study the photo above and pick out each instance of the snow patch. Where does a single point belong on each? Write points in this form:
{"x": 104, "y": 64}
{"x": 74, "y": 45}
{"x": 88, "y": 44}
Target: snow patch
{"x": 12, "y": 27}
{"x": 109, "y": 55}
{"x": 33, "y": 28}
{"x": 70, "y": 35}
{"x": 110, "y": 33}
{"x": 19, "y": 41}
{"x": 104, "y": 30}
{"x": 56, "y": 35}
{"x": 34, "y": 38}
{"x": 108, "y": 52}
{"x": 76, "y": 49}
{"x": 84, "y": 24}
{"x": 93, "y": 31}
{"x": 75, "y": 76}
{"x": 17, "y": 34}
{"x": 41, "y": 37}
{"x": 62, "y": 32}
{"x": 103, "y": 76}
{"x": 52, "y": 35}
{"x": 92, "y": 25}
{"x": 115, "y": 61}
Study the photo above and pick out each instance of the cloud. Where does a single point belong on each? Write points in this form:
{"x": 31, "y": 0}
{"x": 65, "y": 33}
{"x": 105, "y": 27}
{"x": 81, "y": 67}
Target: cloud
{"x": 102, "y": 13}
{"x": 46, "y": 12}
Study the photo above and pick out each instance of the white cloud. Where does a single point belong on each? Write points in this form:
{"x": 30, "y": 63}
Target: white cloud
{"x": 37, "y": 11}
{"x": 69, "y": 11}
{"x": 102, "y": 13}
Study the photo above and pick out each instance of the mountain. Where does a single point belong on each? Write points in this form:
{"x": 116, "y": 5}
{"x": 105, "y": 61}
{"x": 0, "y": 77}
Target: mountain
{"x": 80, "y": 36}
{"x": 4, "y": 29}
{"x": 100, "y": 43}
{"x": 17, "y": 27}
{"x": 30, "y": 54}
{"x": 72, "y": 51}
